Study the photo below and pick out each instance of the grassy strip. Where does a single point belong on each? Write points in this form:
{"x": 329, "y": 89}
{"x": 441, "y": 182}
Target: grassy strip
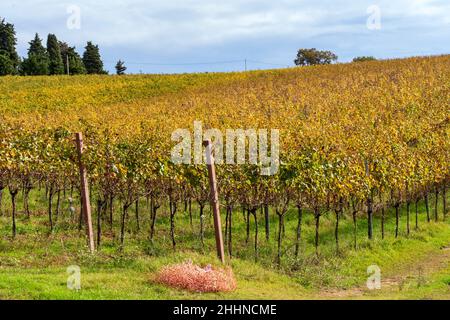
{"x": 34, "y": 264}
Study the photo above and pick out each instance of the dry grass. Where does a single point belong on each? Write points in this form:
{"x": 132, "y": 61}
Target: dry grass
{"x": 191, "y": 277}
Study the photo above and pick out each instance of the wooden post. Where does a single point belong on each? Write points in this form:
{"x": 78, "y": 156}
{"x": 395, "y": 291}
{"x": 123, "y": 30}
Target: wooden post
{"x": 214, "y": 198}
{"x": 67, "y": 62}
{"x": 86, "y": 205}
{"x": 369, "y": 206}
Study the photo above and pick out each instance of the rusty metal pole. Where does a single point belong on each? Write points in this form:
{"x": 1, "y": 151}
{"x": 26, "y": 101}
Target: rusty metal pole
{"x": 86, "y": 208}
{"x": 214, "y": 198}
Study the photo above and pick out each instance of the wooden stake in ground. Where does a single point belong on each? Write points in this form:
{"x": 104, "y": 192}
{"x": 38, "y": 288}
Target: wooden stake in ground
{"x": 214, "y": 199}
{"x": 86, "y": 205}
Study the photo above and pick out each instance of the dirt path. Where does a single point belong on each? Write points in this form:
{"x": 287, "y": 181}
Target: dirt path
{"x": 417, "y": 272}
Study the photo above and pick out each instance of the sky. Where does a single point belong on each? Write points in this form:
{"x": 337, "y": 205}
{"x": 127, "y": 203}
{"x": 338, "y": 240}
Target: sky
{"x": 207, "y": 36}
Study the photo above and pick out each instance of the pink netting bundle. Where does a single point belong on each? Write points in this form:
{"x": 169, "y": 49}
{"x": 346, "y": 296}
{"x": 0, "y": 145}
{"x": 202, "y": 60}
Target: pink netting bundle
{"x": 194, "y": 278}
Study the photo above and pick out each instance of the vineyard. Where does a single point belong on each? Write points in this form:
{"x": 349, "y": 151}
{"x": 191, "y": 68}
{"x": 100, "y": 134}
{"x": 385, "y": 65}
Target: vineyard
{"x": 364, "y": 157}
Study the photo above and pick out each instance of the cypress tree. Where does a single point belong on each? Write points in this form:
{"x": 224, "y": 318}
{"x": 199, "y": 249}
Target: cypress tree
{"x": 120, "y": 68}
{"x": 92, "y": 60}
{"x": 6, "y": 66}
{"x": 71, "y": 59}
{"x": 9, "y": 59}
{"x": 54, "y": 53}
{"x": 38, "y": 61}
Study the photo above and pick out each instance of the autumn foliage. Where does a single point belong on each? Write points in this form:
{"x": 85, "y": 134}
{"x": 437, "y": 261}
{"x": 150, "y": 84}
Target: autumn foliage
{"x": 356, "y": 137}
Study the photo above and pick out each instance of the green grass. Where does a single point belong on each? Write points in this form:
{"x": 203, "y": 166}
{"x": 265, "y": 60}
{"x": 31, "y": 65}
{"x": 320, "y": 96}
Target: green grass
{"x": 33, "y": 265}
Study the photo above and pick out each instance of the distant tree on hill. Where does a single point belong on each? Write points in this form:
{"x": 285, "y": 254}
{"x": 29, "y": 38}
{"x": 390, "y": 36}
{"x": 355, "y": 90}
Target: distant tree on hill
{"x": 364, "y": 58}
{"x": 71, "y": 60}
{"x": 309, "y": 57}
{"x": 9, "y": 59}
{"x": 38, "y": 61}
{"x": 120, "y": 68}
{"x": 54, "y": 53}
{"x": 92, "y": 59}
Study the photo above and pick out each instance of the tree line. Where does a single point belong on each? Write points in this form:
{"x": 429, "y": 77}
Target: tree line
{"x": 54, "y": 58}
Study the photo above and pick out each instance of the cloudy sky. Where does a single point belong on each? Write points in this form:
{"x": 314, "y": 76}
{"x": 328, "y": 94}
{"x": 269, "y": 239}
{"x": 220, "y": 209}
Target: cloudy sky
{"x": 199, "y": 35}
